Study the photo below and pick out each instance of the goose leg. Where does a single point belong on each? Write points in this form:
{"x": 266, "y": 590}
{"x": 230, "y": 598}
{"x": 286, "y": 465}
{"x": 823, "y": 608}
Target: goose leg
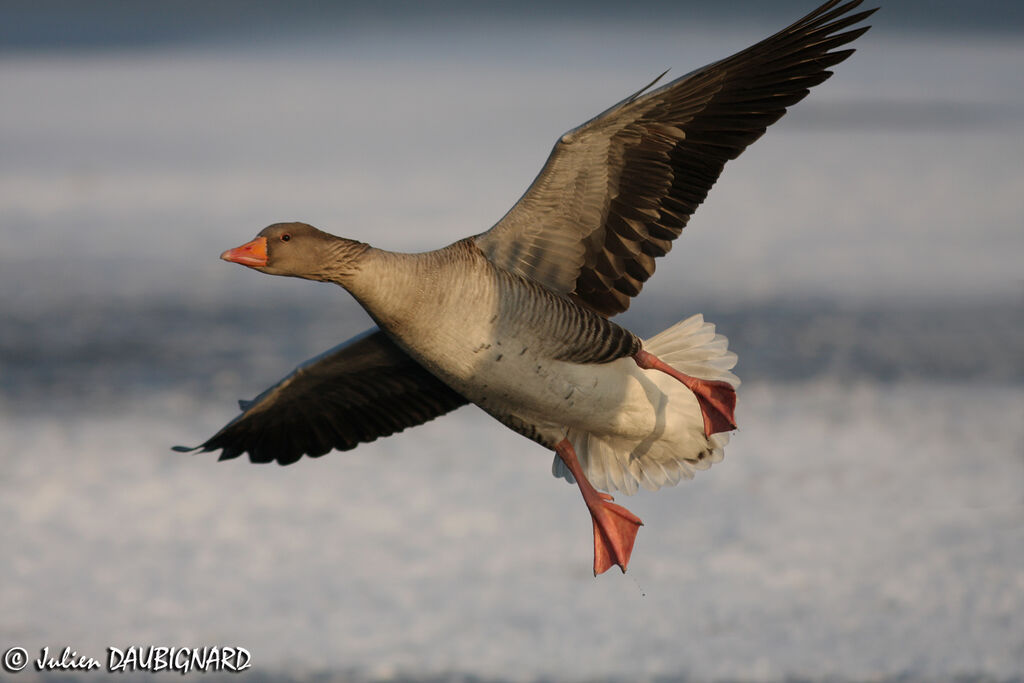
{"x": 717, "y": 399}
{"x": 615, "y": 527}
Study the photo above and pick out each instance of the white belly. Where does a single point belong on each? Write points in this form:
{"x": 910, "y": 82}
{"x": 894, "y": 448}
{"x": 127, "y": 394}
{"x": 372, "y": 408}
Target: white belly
{"x": 504, "y": 367}
{"x": 614, "y": 399}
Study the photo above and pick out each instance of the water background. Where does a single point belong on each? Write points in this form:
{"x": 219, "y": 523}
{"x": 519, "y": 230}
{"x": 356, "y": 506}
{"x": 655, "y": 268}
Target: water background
{"x": 864, "y": 258}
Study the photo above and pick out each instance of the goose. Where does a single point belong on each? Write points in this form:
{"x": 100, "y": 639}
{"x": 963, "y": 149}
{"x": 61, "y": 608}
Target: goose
{"x": 517, "y": 319}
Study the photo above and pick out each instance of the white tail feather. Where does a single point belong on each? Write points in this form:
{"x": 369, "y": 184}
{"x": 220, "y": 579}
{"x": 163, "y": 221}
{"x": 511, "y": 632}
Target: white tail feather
{"x": 615, "y": 462}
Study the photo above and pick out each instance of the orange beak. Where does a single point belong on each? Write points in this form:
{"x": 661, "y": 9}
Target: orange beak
{"x": 249, "y": 254}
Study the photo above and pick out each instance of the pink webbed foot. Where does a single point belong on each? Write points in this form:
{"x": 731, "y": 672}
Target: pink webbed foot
{"x": 615, "y": 530}
{"x": 717, "y": 399}
{"x": 615, "y": 527}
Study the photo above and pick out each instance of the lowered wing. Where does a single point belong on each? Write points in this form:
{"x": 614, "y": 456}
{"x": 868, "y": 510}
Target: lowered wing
{"x": 358, "y": 391}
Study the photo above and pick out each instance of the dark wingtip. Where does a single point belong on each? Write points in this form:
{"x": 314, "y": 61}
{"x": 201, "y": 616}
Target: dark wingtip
{"x": 185, "y": 449}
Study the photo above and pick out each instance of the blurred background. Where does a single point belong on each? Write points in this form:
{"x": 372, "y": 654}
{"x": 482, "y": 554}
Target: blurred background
{"x": 864, "y": 258}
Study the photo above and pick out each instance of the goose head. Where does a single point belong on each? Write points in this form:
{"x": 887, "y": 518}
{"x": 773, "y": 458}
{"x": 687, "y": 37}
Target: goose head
{"x": 298, "y": 250}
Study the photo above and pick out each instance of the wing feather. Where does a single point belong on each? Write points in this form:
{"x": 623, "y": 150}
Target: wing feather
{"x": 354, "y": 393}
{"x": 617, "y": 190}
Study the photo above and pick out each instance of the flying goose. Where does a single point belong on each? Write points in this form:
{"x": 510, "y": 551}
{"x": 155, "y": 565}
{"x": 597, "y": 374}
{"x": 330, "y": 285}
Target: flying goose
{"x": 517, "y": 319}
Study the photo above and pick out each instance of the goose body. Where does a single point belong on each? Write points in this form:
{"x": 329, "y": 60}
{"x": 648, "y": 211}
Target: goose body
{"x": 517, "y": 349}
{"x": 546, "y": 367}
{"x": 516, "y": 319}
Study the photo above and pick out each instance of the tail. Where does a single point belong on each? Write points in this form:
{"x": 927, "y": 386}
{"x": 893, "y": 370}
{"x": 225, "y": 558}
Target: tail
{"x": 692, "y": 347}
{"x": 615, "y": 463}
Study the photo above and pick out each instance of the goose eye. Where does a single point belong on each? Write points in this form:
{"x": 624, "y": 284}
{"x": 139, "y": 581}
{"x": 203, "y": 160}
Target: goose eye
{"x": 285, "y": 237}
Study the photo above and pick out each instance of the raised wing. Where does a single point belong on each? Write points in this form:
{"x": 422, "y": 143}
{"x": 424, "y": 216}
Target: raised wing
{"x": 617, "y": 190}
{"x": 356, "y": 392}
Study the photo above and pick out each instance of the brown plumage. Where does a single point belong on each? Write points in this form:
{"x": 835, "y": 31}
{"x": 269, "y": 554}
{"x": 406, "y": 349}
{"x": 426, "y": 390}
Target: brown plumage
{"x": 515, "y": 319}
